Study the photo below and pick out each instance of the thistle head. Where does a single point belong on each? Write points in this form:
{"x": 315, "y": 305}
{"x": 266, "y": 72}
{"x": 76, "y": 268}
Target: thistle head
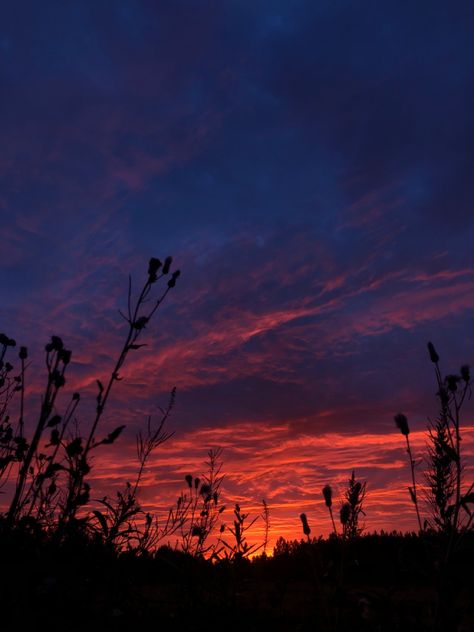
{"x": 345, "y": 513}
{"x": 327, "y": 493}
{"x": 402, "y": 424}
{"x": 304, "y": 522}
{"x": 434, "y": 357}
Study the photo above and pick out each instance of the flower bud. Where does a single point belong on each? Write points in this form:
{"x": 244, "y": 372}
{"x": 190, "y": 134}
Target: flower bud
{"x": 327, "y": 493}
{"x": 434, "y": 357}
{"x": 402, "y": 424}
{"x": 304, "y": 522}
{"x": 167, "y": 265}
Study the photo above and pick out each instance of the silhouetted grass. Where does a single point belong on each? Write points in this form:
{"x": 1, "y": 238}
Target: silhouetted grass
{"x": 68, "y": 563}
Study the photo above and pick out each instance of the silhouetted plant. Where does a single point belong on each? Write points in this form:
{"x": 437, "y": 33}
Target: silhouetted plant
{"x": 198, "y": 509}
{"x": 305, "y": 525}
{"x": 327, "y": 494}
{"x": 352, "y": 508}
{"x": 117, "y": 523}
{"x": 402, "y": 424}
{"x": 137, "y": 318}
{"x": 266, "y": 522}
{"x": 50, "y": 474}
{"x": 239, "y": 547}
{"x": 446, "y": 497}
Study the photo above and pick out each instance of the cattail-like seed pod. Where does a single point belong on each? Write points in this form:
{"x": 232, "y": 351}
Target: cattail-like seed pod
{"x": 345, "y": 513}
{"x": 189, "y": 480}
{"x": 196, "y": 482}
{"x": 434, "y": 357}
{"x": 327, "y": 493}
{"x": 23, "y": 353}
{"x": 153, "y": 266}
{"x": 304, "y": 522}
{"x": 402, "y": 424}
{"x": 174, "y": 276}
{"x": 167, "y": 265}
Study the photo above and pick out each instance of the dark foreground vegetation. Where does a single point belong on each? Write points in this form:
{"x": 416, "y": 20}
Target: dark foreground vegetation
{"x": 372, "y": 583}
{"x": 70, "y": 562}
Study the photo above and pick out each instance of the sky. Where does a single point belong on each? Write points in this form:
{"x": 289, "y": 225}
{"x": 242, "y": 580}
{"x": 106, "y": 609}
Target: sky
{"x": 309, "y": 167}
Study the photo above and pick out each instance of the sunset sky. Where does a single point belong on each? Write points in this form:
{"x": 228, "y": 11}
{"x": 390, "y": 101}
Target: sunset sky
{"x": 309, "y": 165}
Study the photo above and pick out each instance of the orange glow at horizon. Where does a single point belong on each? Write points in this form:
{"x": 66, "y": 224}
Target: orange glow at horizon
{"x": 289, "y": 472}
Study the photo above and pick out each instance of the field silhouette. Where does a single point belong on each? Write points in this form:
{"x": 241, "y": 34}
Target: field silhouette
{"x": 69, "y": 561}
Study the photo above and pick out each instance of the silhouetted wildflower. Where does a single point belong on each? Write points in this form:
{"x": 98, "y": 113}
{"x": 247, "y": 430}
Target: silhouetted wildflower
{"x": 174, "y": 276}
{"x": 452, "y": 382}
{"x": 327, "y": 493}
{"x": 56, "y": 344}
{"x": 434, "y": 357}
{"x": 65, "y": 355}
{"x": 23, "y": 353}
{"x": 304, "y": 522}
{"x": 6, "y": 341}
{"x": 345, "y": 513}
{"x": 189, "y": 480}
{"x": 154, "y": 265}
{"x": 167, "y": 265}
{"x": 402, "y": 424}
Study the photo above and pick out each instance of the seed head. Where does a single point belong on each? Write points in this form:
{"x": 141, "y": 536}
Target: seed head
{"x": 304, "y": 522}
{"x": 327, "y": 493}
{"x": 402, "y": 424}
{"x": 345, "y": 513}
{"x": 452, "y": 382}
{"x": 154, "y": 265}
{"x": 434, "y": 357}
{"x": 167, "y": 265}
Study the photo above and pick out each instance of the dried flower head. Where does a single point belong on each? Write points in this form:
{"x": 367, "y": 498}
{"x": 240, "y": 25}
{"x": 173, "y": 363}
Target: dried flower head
{"x": 304, "y": 522}
{"x": 167, "y": 265}
{"x": 434, "y": 357}
{"x": 345, "y": 513}
{"x": 402, "y": 424}
{"x": 174, "y": 276}
{"x": 452, "y": 382}
{"x": 327, "y": 493}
